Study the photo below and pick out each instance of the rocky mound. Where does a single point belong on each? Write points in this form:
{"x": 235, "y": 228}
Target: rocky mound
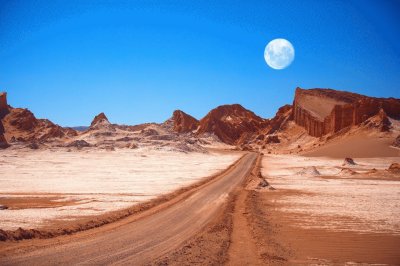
{"x": 324, "y": 111}
{"x": 396, "y": 142}
{"x": 21, "y": 125}
{"x": 346, "y": 172}
{"x": 3, "y": 111}
{"x": 183, "y": 123}
{"x": 394, "y": 167}
{"x": 99, "y": 121}
{"x": 348, "y": 161}
{"x": 78, "y": 144}
{"x": 232, "y": 124}
{"x": 310, "y": 170}
{"x": 379, "y": 121}
{"x": 279, "y": 121}
{"x": 3, "y": 141}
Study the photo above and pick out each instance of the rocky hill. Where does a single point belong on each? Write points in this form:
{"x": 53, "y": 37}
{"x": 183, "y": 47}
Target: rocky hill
{"x": 183, "y": 123}
{"x": 99, "y": 120}
{"x": 18, "y": 124}
{"x": 324, "y": 111}
{"x": 231, "y": 123}
{"x": 3, "y": 112}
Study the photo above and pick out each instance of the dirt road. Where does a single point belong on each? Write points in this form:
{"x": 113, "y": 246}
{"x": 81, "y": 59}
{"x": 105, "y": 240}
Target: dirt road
{"x": 133, "y": 240}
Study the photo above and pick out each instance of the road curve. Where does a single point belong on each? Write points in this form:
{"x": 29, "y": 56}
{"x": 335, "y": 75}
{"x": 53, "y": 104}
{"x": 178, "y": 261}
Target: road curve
{"x": 142, "y": 240}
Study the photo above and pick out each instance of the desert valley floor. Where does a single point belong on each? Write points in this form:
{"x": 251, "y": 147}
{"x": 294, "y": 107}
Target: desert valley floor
{"x": 314, "y": 209}
{"x": 46, "y": 186}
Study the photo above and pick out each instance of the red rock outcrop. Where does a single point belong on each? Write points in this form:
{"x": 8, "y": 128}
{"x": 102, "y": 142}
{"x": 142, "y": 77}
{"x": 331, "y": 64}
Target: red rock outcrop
{"x": 183, "y": 122}
{"x": 99, "y": 119}
{"x": 3, "y": 104}
{"x": 22, "y": 125}
{"x": 284, "y": 114}
{"x": 396, "y": 142}
{"x": 231, "y": 123}
{"x": 324, "y": 111}
{"x": 3, "y": 111}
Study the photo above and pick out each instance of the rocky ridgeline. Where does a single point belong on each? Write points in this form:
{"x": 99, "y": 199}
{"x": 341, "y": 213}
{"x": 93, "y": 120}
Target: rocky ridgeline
{"x": 231, "y": 123}
{"x": 318, "y": 112}
{"x": 324, "y": 111}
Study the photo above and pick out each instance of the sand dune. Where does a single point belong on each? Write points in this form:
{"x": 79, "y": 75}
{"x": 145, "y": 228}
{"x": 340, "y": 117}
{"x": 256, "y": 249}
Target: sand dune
{"x": 361, "y": 146}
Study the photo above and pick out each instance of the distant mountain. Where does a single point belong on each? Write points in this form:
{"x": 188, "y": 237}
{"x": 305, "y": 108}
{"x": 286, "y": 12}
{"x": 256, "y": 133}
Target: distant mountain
{"x": 231, "y": 123}
{"x": 316, "y": 117}
{"x": 80, "y": 128}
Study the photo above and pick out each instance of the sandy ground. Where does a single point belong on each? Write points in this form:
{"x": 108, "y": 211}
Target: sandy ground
{"x": 330, "y": 215}
{"x": 141, "y": 239}
{"x": 46, "y": 186}
{"x": 357, "y": 146}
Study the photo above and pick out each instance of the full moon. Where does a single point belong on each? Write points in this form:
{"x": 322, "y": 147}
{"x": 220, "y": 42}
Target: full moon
{"x": 279, "y": 53}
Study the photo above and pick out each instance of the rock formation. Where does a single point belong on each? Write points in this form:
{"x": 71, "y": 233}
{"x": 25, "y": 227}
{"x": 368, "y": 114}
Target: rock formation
{"x": 3, "y": 112}
{"x": 324, "y": 111}
{"x": 3, "y": 104}
{"x": 100, "y": 119}
{"x": 379, "y": 121}
{"x": 232, "y": 124}
{"x": 183, "y": 123}
{"x": 281, "y": 117}
{"x": 22, "y": 125}
{"x": 394, "y": 167}
{"x": 396, "y": 142}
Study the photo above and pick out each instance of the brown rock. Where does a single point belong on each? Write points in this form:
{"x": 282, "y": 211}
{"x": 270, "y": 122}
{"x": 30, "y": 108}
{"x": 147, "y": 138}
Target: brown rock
{"x": 349, "y": 161}
{"x": 33, "y": 145}
{"x": 284, "y": 114}
{"x": 379, "y": 121}
{"x": 272, "y": 139}
{"x": 99, "y": 119}
{"x": 394, "y": 167}
{"x": 78, "y": 144}
{"x": 183, "y": 122}
{"x": 324, "y": 111}
{"x": 231, "y": 123}
{"x": 396, "y": 142}
{"x": 3, "y": 141}
{"x": 24, "y": 126}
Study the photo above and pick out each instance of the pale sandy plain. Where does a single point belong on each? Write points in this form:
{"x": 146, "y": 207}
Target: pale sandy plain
{"x": 329, "y": 215}
{"x": 46, "y": 186}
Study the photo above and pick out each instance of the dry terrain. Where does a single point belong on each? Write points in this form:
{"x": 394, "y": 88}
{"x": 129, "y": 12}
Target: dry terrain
{"x": 42, "y": 187}
{"x": 324, "y": 211}
{"x": 137, "y": 239}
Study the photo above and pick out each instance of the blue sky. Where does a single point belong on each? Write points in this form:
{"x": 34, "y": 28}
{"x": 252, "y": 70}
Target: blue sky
{"x": 137, "y": 61}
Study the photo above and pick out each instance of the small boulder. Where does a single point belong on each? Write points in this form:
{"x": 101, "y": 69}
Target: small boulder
{"x": 347, "y": 171}
{"x": 133, "y": 146}
{"x": 272, "y": 139}
{"x": 310, "y": 170}
{"x": 125, "y": 139}
{"x": 33, "y": 145}
{"x": 396, "y": 142}
{"x": 263, "y": 183}
{"x": 78, "y": 144}
{"x": 394, "y": 167}
{"x": 348, "y": 161}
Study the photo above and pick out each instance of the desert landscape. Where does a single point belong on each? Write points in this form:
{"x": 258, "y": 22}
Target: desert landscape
{"x": 199, "y": 132}
{"x": 302, "y": 196}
